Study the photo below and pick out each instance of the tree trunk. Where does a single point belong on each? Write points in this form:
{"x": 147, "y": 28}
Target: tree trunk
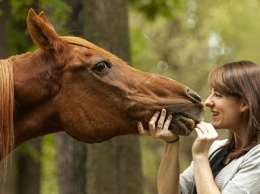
{"x": 29, "y": 167}
{"x": 71, "y": 154}
{"x": 71, "y": 165}
{"x": 4, "y": 17}
{"x": 113, "y": 166}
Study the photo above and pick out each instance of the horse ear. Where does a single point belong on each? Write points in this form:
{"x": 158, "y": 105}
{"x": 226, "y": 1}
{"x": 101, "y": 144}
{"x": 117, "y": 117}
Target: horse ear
{"x": 45, "y": 19}
{"x": 42, "y": 32}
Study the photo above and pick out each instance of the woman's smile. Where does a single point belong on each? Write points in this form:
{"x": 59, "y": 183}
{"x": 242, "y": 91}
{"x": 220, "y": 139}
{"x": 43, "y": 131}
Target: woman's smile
{"x": 214, "y": 115}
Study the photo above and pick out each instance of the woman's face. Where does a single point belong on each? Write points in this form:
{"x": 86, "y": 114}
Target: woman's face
{"x": 226, "y": 110}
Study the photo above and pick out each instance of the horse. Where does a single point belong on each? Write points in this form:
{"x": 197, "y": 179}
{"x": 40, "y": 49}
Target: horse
{"x": 70, "y": 84}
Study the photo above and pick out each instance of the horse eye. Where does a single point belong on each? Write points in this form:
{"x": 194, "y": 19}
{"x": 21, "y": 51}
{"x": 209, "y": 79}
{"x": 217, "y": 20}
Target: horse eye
{"x": 101, "y": 66}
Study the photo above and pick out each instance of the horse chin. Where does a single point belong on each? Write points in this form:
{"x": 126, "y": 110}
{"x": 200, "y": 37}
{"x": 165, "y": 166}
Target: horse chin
{"x": 182, "y": 125}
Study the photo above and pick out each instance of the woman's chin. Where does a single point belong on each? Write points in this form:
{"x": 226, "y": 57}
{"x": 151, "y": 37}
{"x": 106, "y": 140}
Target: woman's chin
{"x": 216, "y": 125}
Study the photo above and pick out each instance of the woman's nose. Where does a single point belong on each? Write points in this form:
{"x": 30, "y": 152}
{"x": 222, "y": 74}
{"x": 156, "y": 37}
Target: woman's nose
{"x": 208, "y": 102}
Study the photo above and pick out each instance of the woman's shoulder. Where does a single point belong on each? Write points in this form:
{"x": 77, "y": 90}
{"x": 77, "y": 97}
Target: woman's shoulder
{"x": 253, "y": 154}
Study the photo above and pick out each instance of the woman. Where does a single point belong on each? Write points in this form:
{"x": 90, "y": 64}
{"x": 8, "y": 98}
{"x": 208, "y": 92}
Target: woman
{"x": 221, "y": 166}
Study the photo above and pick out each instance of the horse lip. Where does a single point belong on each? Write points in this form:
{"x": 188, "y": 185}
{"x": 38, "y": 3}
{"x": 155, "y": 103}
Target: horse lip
{"x": 183, "y": 124}
{"x": 178, "y": 115}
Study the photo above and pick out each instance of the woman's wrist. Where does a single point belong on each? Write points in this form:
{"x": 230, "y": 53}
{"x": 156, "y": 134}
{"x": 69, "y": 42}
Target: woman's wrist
{"x": 173, "y": 141}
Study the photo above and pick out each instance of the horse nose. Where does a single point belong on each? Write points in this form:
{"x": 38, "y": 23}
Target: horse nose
{"x": 193, "y": 95}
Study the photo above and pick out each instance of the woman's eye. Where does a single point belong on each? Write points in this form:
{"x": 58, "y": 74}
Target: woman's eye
{"x": 218, "y": 95}
{"x": 101, "y": 66}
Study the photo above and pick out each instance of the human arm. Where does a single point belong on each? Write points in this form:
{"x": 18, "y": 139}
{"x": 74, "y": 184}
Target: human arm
{"x": 168, "y": 175}
{"x": 169, "y": 171}
{"x": 202, "y": 172}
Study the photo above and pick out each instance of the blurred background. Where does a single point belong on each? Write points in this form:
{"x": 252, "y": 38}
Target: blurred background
{"x": 180, "y": 39}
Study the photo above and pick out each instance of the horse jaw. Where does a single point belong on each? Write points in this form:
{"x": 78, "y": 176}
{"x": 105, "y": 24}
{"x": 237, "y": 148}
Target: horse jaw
{"x": 95, "y": 114}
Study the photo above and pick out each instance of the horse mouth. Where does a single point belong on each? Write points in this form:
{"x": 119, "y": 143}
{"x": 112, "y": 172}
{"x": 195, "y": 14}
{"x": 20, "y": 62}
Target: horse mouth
{"x": 182, "y": 125}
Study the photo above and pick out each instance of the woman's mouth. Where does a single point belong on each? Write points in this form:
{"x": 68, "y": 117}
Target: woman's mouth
{"x": 214, "y": 116}
{"x": 214, "y": 113}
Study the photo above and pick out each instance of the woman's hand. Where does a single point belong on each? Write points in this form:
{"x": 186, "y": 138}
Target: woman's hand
{"x": 160, "y": 131}
{"x": 201, "y": 167}
{"x": 207, "y": 134}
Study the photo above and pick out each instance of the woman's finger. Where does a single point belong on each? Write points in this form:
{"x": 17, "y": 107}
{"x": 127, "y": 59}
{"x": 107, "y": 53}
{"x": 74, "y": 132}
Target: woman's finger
{"x": 141, "y": 129}
{"x": 202, "y": 128}
{"x": 154, "y": 118}
{"x": 208, "y": 130}
{"x": 152, "y": 127}
{"x": 161, "y": 119}
{"x": 167, "y": 123}
{"x": 199, "y": 132}
{"x": 211, "y": 130}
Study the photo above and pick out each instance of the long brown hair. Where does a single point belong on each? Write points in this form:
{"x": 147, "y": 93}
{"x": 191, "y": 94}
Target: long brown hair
{"x": 6, "y": 108}
{"x": 240, "y": 79}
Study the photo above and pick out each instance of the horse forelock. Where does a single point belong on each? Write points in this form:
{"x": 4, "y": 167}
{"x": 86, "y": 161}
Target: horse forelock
{"x": 84, "y": 43}
{"x": 6, "y": 108}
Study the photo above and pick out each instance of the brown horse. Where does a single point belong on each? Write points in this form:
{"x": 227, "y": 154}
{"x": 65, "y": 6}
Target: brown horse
{"x": 72, "y": 85}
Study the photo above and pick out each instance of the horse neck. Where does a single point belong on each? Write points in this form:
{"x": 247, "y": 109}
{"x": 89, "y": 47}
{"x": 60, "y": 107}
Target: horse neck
{"x": 39, "y": 121}
{"x": 35, "y": 112}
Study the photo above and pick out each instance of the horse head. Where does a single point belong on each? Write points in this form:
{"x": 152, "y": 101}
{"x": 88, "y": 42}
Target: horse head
{"x": 72, "y": 85}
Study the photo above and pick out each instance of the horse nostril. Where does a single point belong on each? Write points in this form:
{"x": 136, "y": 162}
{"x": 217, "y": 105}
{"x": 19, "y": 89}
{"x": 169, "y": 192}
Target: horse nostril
{"x": 193, "y": 94}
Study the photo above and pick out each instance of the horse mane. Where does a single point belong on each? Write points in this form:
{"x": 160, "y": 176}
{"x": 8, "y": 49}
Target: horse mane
{"x": 82, "y": 42}
{"x": 6, "y": 108}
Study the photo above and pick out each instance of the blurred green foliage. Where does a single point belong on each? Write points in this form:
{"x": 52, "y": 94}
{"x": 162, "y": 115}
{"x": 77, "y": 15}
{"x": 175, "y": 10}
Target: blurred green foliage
{"x": 152, "y": 9}
{"x": 49, "y": 173}
{"x": 18, "y": 35}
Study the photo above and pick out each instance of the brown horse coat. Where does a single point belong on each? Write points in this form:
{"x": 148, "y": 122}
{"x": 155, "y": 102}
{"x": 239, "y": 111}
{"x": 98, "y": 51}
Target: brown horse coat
{"x": 72, "y": 85}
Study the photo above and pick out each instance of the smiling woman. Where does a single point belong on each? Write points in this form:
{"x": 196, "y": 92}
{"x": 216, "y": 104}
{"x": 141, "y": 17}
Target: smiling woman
{"x": 218, "y": 166}
{"x": 240, "y": 82}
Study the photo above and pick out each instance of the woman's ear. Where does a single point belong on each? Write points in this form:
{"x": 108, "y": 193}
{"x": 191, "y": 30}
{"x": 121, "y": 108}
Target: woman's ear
{"x": 244, "y": 106}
